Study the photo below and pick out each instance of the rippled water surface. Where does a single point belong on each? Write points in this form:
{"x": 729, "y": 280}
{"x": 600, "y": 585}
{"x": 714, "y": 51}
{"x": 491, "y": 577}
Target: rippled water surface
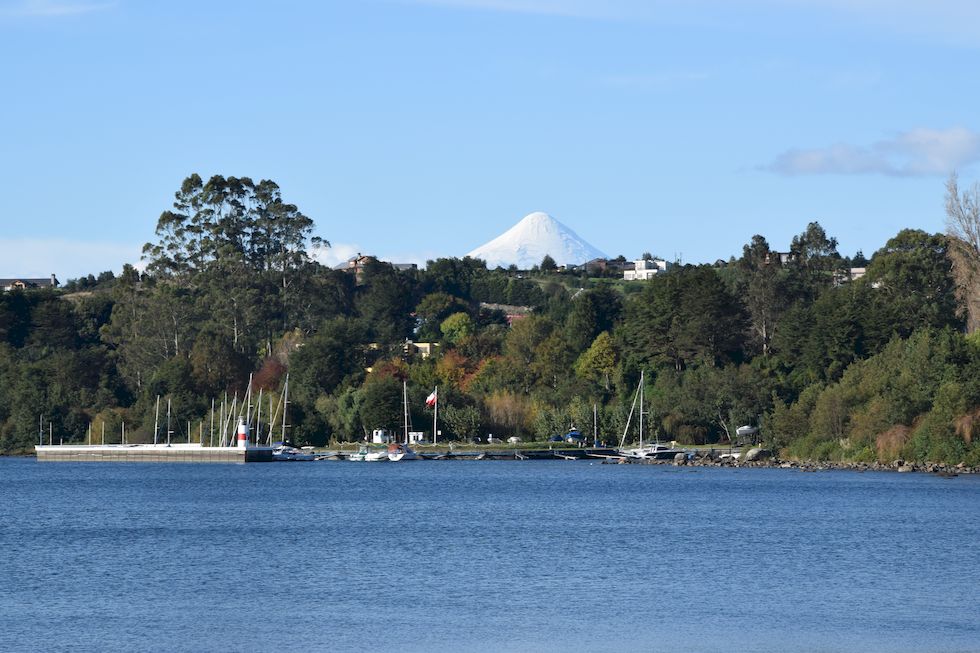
{"x": 484, "y": 556}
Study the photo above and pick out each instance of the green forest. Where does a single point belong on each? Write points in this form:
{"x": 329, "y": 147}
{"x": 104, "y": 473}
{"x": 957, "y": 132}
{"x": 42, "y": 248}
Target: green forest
{"x": 880, "y": 367}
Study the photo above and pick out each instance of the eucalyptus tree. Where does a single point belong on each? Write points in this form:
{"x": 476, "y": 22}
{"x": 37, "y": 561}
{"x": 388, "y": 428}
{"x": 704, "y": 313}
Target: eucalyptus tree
{"x": 963, "y": 229}
{"x": 813, "y": 262}
{"x": 233, "y": 217}
{"x": 762, "y": 288}
{"x": 245, "y": 250}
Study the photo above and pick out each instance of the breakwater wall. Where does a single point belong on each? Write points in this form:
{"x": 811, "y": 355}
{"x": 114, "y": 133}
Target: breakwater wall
{"x": 151, "y": 453}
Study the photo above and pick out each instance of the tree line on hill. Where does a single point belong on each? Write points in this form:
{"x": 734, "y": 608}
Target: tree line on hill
{"x": 878, "y": 367}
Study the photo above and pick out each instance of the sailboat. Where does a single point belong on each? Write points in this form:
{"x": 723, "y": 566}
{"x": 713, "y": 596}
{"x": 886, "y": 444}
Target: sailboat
{"x": 283, "y": 451}
{"x": 399, "y": 452}
{"x": 653, "y": 451}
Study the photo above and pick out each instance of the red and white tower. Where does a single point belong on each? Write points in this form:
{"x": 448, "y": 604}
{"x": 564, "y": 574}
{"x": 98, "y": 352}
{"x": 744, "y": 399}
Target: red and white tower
{"x": 242, "y": 434}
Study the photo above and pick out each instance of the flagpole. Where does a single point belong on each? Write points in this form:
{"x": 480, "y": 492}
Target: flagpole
{"x": 435, "y": 417}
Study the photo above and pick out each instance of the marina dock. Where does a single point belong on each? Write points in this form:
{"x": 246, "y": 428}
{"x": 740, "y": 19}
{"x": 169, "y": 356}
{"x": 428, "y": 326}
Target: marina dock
{"x": 524, "y": 454}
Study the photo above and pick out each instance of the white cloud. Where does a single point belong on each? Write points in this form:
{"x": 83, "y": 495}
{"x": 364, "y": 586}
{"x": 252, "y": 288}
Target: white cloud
{"x": 37, "y": 257}
{"x": 54, "y": 8}
{"x": 915, "y": 153}
{"x": 335, "y": 254}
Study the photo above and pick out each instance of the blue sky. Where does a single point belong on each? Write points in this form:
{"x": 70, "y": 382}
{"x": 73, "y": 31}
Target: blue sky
{"x": 420, "y": 128}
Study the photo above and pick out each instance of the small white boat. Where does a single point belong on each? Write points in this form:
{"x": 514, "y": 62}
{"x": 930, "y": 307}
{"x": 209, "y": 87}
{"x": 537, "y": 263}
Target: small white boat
{"x": 652, "y": 452}
{"x": 283, "y": 452}
{"x": 366, "y": 454}
{"x": 399, "y": 452}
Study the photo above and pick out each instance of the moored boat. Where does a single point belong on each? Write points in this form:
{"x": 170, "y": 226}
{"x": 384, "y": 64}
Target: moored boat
{"x": 283, "y": 452}
{"x": 651, "y": 451}
{"x": 376, "y": 456}
{"x": 399, "y": 452}
{"x": 368, "y": 454}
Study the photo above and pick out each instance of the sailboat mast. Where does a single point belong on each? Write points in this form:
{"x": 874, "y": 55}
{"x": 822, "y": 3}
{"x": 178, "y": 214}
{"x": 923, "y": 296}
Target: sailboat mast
{"x": 285, "y": 403}
{"x": 156, "y": 421}
{"x": 405, "y": 408}
{"x": 641, "y": 410}
{"x": 258, "y": 418}
{"x": 248, "y": 410}
{"x": 595, "y": 425}
{"x": 629, "y": 418}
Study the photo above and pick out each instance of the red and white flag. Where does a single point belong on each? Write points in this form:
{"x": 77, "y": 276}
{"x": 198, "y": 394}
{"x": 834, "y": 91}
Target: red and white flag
{"x": 431, "y": 400}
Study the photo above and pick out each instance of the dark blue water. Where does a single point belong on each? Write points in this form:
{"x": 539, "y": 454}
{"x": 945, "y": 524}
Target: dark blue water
{"x": 484, "y": 556}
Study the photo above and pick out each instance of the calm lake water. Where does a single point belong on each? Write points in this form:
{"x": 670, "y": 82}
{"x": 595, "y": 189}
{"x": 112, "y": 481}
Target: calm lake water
{"x": 484, "y": 556}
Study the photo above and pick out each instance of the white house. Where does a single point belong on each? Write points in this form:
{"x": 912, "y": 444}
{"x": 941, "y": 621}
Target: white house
{"x": 644, "y": 269}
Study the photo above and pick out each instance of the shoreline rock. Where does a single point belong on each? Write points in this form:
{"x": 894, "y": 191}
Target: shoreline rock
{"x": 773, "y": 462}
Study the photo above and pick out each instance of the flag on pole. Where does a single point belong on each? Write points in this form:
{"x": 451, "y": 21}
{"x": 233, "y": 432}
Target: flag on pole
{"x": 431, "y": 400}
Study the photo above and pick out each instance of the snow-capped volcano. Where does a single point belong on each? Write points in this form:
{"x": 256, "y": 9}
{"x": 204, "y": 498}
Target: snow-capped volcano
{"x": 527, "y": 242}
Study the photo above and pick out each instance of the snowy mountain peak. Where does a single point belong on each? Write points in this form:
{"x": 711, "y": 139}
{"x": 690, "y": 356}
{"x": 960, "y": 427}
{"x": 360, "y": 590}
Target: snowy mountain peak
{"x": 526, "y": 244}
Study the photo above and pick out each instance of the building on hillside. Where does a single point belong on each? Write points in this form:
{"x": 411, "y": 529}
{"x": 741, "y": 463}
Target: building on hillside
{"x": 411, "y": 349}
{"x": 779, "y": 258}
{"x": 355, "y": 265}
{"x": 852, "y": 274}
{"x": 644, "y": 269}
{"x": 604, "y": 266}
{"x": 23, "y": 283}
